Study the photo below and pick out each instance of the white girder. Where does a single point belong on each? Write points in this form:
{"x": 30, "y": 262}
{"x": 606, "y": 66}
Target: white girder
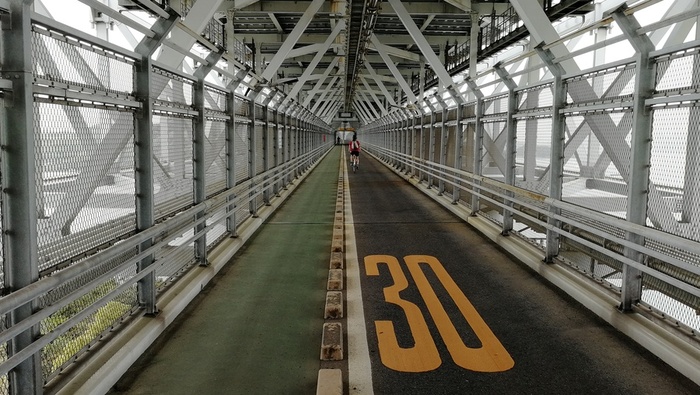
{"x": 374, "y": 95}
{"x": 422, "y": 43}
{"x": 397, "y": 52}
{"x": 394, "y": 70}
{"x": 291, "y": 40}
{"x": 197, "y": 19}
{"x": 314, "y": 62}
{"x": 324, "y": 93}
{"x": 320, "y": 82}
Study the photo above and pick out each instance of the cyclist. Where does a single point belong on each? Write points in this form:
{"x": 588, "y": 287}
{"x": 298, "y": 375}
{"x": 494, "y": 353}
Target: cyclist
{"x": 354, "y": 148}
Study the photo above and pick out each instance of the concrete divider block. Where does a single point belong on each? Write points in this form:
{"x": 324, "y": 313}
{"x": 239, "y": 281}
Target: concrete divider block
{"x": 335, "y": 280}
{"x": 336, "y": 260}
{"x": 330, "y": 382}
{"x": 332, "y": 342}
{"x": 334, "y": 305}
{"x": 337, "y": 245}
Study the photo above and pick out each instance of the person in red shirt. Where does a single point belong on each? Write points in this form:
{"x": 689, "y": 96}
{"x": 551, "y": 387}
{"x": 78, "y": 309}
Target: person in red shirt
{"x": 354, "y": 148}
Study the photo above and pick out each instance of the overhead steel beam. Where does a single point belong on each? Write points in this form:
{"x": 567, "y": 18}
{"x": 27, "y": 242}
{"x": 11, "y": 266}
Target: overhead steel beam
{"x": 292, "y": 38}
{"x": 424, "y": 46}
{"x": 312, "y": 66}
{"x": 197, "y": 19}
{"x": 329, "y": 88}
{"x": 275, "y": 22}
{"x": 320, "y": 82}
{"x": 378, "y": 80}
{"x": 394, "y": 70}
{"x": 397, "y": 52}
{"x": 368, "y": 103}
{"x": 374, "y": 96}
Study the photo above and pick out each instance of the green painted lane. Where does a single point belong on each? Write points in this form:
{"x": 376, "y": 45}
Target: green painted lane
{"x": 256, "y": 328}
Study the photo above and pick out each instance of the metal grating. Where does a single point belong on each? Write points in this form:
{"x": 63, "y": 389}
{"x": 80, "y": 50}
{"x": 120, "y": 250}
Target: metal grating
{"x": 215, "y": 156}
{"x": 173, "y": 180}
{"x": 85, "y": 187}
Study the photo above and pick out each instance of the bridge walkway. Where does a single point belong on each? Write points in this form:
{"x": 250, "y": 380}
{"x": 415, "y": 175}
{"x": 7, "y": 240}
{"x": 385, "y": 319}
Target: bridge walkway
{"x": 444, "y": 310}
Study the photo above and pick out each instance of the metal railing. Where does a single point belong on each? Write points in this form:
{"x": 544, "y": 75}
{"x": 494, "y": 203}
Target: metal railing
{"x": 559, "y": 174}
{"x": 90, "y": 247}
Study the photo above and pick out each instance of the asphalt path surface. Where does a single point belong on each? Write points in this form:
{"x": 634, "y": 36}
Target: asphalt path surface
{"x": 515, "y": 333}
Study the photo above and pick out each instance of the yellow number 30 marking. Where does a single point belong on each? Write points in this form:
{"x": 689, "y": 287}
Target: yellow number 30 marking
{"x": 424, "y": 356}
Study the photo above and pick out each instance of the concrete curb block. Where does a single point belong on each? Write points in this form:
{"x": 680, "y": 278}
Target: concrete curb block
{"x": 330, "y": 379}
{"x": 332, "y": 342}
{"x": 330, "y": 382}
{"x": 334, "y": 305}
{"x": 336, "y": 260}
{"x": 335, "y": 280}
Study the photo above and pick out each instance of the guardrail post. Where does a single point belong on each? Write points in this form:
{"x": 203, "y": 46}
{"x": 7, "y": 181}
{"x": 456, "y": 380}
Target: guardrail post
{"x": 266, "y": 149}
{"x": 556, "y": 160}
{"x": 231, "y": 226}
{"x": 143, "y": 153}
{"x": 19, "y": 192}
{"x": 252, "y": 152}
{"x": 459, "y": 135}
{"x": 510, "y": 147}
{"x": 199, "y": 161}
{"x": 478, "y": 148}
{"x": 640, "y": 159}
{"x": 443, "y": 145}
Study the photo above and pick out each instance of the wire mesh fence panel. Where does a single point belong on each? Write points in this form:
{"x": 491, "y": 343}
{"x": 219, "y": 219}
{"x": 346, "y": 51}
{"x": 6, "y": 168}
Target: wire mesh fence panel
{"x": 171, "y": 90}
{"x": 60, "y": 58}
{"x": 106, "y": 303}
{"x": 174, "y": 260}
{"x": 215, "y": 156}
{"x": 260, "y": 146}
{"x": 85, "y": 181}
{"x": 674, "y": 170}
{"x": 241, "y": 159}
{"x": 218, "y": 229}
{"x": 172, "y": 168}
{"x": 596, "y": 163}
{"x": 532, "y": 153}
{"x": 616, "y": 83}
{"x": 494, "y": 149}
{"x": 215, "y": 99}
{"x": 678, "y": 72}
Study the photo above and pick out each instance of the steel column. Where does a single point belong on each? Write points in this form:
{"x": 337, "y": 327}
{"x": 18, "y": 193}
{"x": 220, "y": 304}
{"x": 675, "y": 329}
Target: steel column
{"x": 199, "y": 160}
{"x": 143, "y": 153}
{"x": 556, "y": 158}
{"x": 19, "y": 191}
{"x": 509, "y": 173}
{"x": 638, "y": 185}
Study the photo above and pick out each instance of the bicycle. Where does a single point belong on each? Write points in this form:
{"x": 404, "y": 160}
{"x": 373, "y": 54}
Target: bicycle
{"x": 353, "y": 160}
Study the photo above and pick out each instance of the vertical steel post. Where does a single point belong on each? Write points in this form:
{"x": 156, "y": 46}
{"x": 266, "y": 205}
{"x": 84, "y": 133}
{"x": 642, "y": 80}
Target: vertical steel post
{"x": 556, "y": 160}
{"x": 19, "y": 190}
{"x": 443, "y": 145}
{"x": 510, "y": 148}
{"x": 459, "y": 135}
{"x": 143, "y": 153}
{"x": 266, "y": 150}
{"x": 231, "y": 227}
{"x": 638, "y": 185}
{"x": 478, "y": 147}
{"x": 199, "y": 161}
{"x": 431, "y": 149}
{"x": 252, "y": 153}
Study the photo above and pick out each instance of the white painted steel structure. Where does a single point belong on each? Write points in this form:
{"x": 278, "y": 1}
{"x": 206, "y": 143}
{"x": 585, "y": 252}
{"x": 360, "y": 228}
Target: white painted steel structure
{"x": 135, "y": 144}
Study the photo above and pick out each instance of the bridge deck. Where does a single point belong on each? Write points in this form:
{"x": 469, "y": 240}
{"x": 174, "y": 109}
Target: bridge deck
{"x": 484, "y": 324}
